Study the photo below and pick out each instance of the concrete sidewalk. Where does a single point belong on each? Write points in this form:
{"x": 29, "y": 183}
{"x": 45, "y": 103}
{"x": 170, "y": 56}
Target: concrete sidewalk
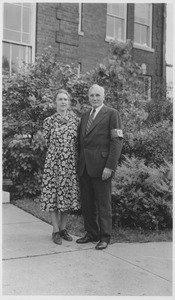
{"x": 34, "y": 265}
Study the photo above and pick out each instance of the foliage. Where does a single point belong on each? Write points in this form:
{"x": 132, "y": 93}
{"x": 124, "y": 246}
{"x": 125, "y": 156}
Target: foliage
{"x": 142, "y": 195}
{"x": 160, "y": 107}
{"x": 154, "y": 144}
{"x": 75, "y": 225}
{"x": 120, "y": 76}
{"x": 28, "y": 95}
{"x": 147, "y": 124}
{"x": 23, "y": 164}
{"x": 28, "y": 98}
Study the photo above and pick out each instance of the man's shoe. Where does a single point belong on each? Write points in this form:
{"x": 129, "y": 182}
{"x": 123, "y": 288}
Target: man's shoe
{"x": 56, "y": 238}
{"x": 84, "y": 240}
{"x": 64, "y": 234}
{"x": 101, "y": 245}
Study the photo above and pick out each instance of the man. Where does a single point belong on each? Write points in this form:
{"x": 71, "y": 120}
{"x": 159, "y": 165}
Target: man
{"x": 100, "y": 143}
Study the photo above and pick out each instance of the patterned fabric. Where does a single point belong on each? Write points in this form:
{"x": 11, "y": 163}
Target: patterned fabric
{"x": 91, "y": 118}
{"x": 60, "y": 186}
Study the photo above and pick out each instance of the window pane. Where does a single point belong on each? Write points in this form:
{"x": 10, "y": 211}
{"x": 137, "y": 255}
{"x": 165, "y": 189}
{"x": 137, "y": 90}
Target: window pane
{"x": 115, "y": 28}
{"x": 142, "y": 13}
{"x": 148, "y": 36}
{"x": 15, "y": 55}
{"x": 109, "y": 8}
{"x": 18, "y": 29}
{"x": 26, "y": 20}
{"x": 110, "y": 26}
{"x": 119, "y": 29}
{"x": 15, "y": 60}
{"x": 145, "y": 86}
{"x": 20, "y": 54}
{"x": 118, "y": 9}
{"x": 17, "y": 23}
{"x": 12, "y": 35}
{"x": 5, "y": 58}
{"x": 12, "y": 16}
{"x": 26, "y": 38}
{"x": 141, "y": 35}
{"x": 26, "y": 4}
{"x": 136, "y": 33}
{"x": 80, "y": 25}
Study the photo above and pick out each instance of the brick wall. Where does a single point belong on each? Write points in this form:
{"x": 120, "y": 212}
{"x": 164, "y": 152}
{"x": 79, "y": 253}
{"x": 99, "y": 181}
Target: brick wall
{"x": 46, "y": 26}
{"x": 57, "y": 25}
{"x": 92, "y": 46}
{"x": 130, "y": 22}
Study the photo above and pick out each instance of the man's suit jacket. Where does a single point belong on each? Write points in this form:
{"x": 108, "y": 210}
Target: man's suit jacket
{"x": 101, "y": 147}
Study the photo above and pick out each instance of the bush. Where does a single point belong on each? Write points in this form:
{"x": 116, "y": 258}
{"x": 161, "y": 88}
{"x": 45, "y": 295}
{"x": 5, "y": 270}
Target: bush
{"x": 154, "y": 144}
{"x": 23, "y": 164}
{"x": 120, "y": 76}
{"x": 142, "y": 195}
{"x": 160, "y": 107}
{"x": 28, "y": 98}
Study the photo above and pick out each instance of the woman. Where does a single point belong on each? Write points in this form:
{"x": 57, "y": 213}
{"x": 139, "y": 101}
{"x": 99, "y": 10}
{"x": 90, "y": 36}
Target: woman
{"x": 60, "y": 186}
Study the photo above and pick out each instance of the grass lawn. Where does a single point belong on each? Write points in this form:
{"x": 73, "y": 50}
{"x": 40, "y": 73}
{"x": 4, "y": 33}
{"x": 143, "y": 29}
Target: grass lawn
{"x": 75, "y": 226}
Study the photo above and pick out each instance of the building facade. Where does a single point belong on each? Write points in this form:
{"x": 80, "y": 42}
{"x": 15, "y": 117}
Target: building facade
{"x": 80, "y": 33}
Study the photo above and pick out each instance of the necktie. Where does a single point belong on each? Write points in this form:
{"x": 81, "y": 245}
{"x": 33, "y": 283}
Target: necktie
{"x": 91, "y": 117}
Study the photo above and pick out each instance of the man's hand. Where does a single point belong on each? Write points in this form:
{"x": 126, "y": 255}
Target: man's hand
{"x": 106, "y": 173}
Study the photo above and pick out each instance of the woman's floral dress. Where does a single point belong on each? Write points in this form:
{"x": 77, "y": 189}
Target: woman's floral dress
{"x": 60, "y": 185}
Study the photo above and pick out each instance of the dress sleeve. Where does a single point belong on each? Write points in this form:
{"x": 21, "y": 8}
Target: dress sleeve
{"x": 47, "y": 130}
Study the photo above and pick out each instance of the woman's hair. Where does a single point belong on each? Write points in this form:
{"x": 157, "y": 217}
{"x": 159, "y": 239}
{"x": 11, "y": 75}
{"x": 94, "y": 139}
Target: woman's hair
{"x": 60, "y": 91}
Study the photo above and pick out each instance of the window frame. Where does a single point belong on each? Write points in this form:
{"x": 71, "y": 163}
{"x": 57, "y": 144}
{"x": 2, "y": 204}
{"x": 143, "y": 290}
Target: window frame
{"x": 109, "y": 38}
{"x": 32, "y": 44}
{"x": 144, "y": 78}
{"x": 79, "y": 69}
{"x": 80, "y": 19}
{"x": 141, "y": 46}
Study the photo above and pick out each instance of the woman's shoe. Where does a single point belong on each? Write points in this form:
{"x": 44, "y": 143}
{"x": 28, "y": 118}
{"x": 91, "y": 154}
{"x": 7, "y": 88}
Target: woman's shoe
{"x": 64, "y": 234}
{"x": 56, "y": 238}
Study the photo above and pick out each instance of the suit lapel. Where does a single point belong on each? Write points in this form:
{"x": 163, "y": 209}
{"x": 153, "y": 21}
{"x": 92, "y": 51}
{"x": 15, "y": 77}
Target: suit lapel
{"x": 84, "y": 122}
{"x": 97, "y": 119}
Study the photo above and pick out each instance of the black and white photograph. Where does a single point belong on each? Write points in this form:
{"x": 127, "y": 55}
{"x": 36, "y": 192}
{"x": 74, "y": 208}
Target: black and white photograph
{"x": 87, "y": 149}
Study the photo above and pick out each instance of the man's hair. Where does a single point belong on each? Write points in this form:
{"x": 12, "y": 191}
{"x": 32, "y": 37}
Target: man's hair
{"x": 97, "y": 86}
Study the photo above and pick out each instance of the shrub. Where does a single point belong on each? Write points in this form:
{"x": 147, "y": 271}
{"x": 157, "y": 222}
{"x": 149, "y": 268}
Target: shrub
{"x": 160, "y": 107}
{"x": 154, "y": 144}
{"x": 28, "y": 100}
{"x": 28, "y": 95}
{"x": 23, "y": 164}
{"x": 120, "y": 76}
{"x": 142, "y": 195}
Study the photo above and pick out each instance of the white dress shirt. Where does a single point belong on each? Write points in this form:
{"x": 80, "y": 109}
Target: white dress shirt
{"x": 96, "y": 110}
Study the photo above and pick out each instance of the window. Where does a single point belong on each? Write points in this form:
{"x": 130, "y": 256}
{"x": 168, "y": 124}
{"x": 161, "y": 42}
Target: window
{"x": 80, "y": 25}
{"x": 143, "y": 24}
{"x": 116, "y": 21}
{"x": 79, "y": 68}
{"x": 18, "y": 35}
{"x": 146, "y": 87}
